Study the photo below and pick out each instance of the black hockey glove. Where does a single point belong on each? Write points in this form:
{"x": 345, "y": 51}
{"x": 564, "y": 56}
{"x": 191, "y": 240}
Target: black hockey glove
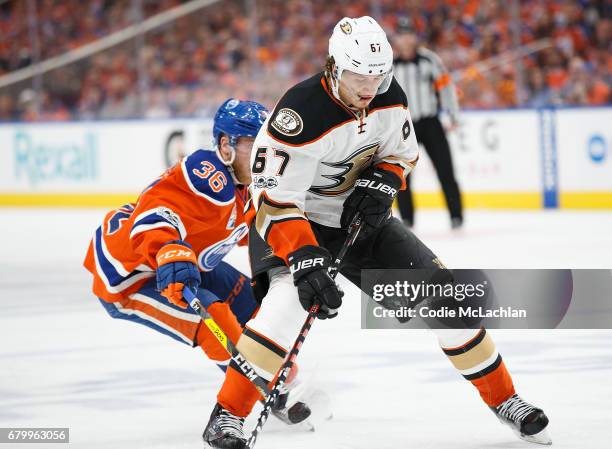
{"x": 375, "y": 190}
{"x": 309, "y": 266}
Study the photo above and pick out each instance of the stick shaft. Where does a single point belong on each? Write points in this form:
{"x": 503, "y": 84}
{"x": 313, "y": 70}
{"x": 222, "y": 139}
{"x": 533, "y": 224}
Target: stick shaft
{"x": 243, "y": 364}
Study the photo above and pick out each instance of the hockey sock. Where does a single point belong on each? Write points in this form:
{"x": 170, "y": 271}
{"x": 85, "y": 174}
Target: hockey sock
{"x": 478, "y": 361}
{"x": 225, "y": 318}
{"x": 238, "y": 395}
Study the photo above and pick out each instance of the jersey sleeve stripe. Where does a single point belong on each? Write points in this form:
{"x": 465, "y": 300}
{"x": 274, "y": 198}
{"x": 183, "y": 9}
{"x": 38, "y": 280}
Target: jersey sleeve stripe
{"x": 283, "y": 226}
{"x": 147, "y": 219}
{"x": 396, "y": 170}
{"x": 108, "y": 260}
{"x": 278, "y": 222}
{"x": 400, "y": 166}
{"x": 268, "y": 214}
{"x": 148, "y": 227}
{"x": 404, "y": 163}
{"x": 114, "y": 281}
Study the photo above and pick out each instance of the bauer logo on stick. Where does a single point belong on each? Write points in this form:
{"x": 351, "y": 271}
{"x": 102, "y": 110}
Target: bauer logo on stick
{"x": 288, "y": 122}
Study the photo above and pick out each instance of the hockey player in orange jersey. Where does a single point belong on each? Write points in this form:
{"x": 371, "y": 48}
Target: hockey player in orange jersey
{"x": 175, "y": 236}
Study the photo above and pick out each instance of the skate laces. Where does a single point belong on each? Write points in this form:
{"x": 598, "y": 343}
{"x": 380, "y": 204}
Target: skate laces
{"x": 515, "y": 409}
{"x": 231, "y": 424}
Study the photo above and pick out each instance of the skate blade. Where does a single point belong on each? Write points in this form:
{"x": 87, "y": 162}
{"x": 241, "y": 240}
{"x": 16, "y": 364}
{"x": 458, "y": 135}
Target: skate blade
{"x": 306, "y": 426}
{"x": 541, "y": 437}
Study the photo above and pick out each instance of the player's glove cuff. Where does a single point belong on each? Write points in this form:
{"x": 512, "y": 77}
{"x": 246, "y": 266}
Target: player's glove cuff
{"x": 175, "y": 251}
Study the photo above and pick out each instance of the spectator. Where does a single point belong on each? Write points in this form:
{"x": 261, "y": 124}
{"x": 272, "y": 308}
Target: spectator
{"x": 220, "y": 49}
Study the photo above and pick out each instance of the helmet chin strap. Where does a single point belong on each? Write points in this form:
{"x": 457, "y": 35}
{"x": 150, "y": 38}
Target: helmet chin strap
{"x": 229, "y": 164}
{"x": 335, "y": 82}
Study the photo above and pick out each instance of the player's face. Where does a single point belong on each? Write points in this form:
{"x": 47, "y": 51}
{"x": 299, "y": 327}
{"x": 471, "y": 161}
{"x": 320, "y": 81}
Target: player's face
{"x": 357, "y": 91}
{"x": 242, "y": 163}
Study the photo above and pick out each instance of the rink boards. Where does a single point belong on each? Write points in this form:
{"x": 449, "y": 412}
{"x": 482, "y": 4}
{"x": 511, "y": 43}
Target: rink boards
{"x": 517, "y": 159}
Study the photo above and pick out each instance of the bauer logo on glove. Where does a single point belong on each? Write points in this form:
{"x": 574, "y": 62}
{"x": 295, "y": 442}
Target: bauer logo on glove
{"x": 372, "y": 198}
{"x": 370, "y": 184}
{"x": 307, "y": 263}
{"x": 309, "y": 266}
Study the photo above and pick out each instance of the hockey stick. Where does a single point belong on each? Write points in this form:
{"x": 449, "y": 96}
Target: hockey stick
{"x": 354, "y": 229}
{"x": 260, "y": 383}
{"x": 247, "y": 369}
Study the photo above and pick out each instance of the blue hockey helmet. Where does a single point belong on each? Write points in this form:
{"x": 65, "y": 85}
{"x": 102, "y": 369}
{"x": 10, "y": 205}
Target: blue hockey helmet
{"x": 237, "y": 118}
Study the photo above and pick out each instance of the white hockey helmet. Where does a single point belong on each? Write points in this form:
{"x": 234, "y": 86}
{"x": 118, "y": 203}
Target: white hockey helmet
{"x": 361, "y": 46}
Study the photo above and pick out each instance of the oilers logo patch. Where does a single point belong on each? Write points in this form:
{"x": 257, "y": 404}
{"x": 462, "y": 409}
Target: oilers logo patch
{"x": 287, "y": 122}
{"x": 210, "y": 257}
{"x": 232, "y": 103}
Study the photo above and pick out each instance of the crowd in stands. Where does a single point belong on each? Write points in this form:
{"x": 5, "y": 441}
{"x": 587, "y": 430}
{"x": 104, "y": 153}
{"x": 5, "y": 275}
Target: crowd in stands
{"x": 257, "y": 48}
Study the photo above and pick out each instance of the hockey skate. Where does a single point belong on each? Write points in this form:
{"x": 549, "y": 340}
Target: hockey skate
{"x": 289, "y": 408}
{"x": 224, "y": 430}
{"x": 526, "y": 421}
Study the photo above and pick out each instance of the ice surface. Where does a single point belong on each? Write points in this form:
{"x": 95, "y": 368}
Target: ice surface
{"x": 65, "y": 363}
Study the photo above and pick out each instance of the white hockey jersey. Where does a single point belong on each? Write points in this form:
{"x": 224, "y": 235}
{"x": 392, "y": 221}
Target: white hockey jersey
{"x": 309, "y": 153}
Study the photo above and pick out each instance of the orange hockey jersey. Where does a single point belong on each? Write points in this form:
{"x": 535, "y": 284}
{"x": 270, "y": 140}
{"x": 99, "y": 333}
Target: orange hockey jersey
{"x": 195, "y": 201}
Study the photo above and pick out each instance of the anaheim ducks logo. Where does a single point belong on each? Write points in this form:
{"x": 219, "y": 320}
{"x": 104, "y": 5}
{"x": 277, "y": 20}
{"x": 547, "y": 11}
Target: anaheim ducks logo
{"x": 349, "y": 170}
{"x": 287, "y": 122}
{"x": 346, "y": 28}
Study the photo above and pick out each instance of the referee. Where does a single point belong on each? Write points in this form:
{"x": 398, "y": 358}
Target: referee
{"x": 429, "y": 89}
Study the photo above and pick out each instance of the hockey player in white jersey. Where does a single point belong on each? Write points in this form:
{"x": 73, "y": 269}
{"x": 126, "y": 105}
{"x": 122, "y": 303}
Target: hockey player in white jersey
{"x": 339, "y": 144}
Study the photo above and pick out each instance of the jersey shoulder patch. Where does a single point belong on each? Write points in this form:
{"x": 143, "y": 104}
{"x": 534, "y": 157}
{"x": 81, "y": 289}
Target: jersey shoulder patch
{"x": 394, "y": 96}
{"x": 207, "y": 176}
{"x": 305, "y": 113}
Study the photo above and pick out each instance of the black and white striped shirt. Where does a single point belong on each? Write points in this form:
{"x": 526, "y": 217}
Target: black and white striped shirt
{"x": 427, "y": 84}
